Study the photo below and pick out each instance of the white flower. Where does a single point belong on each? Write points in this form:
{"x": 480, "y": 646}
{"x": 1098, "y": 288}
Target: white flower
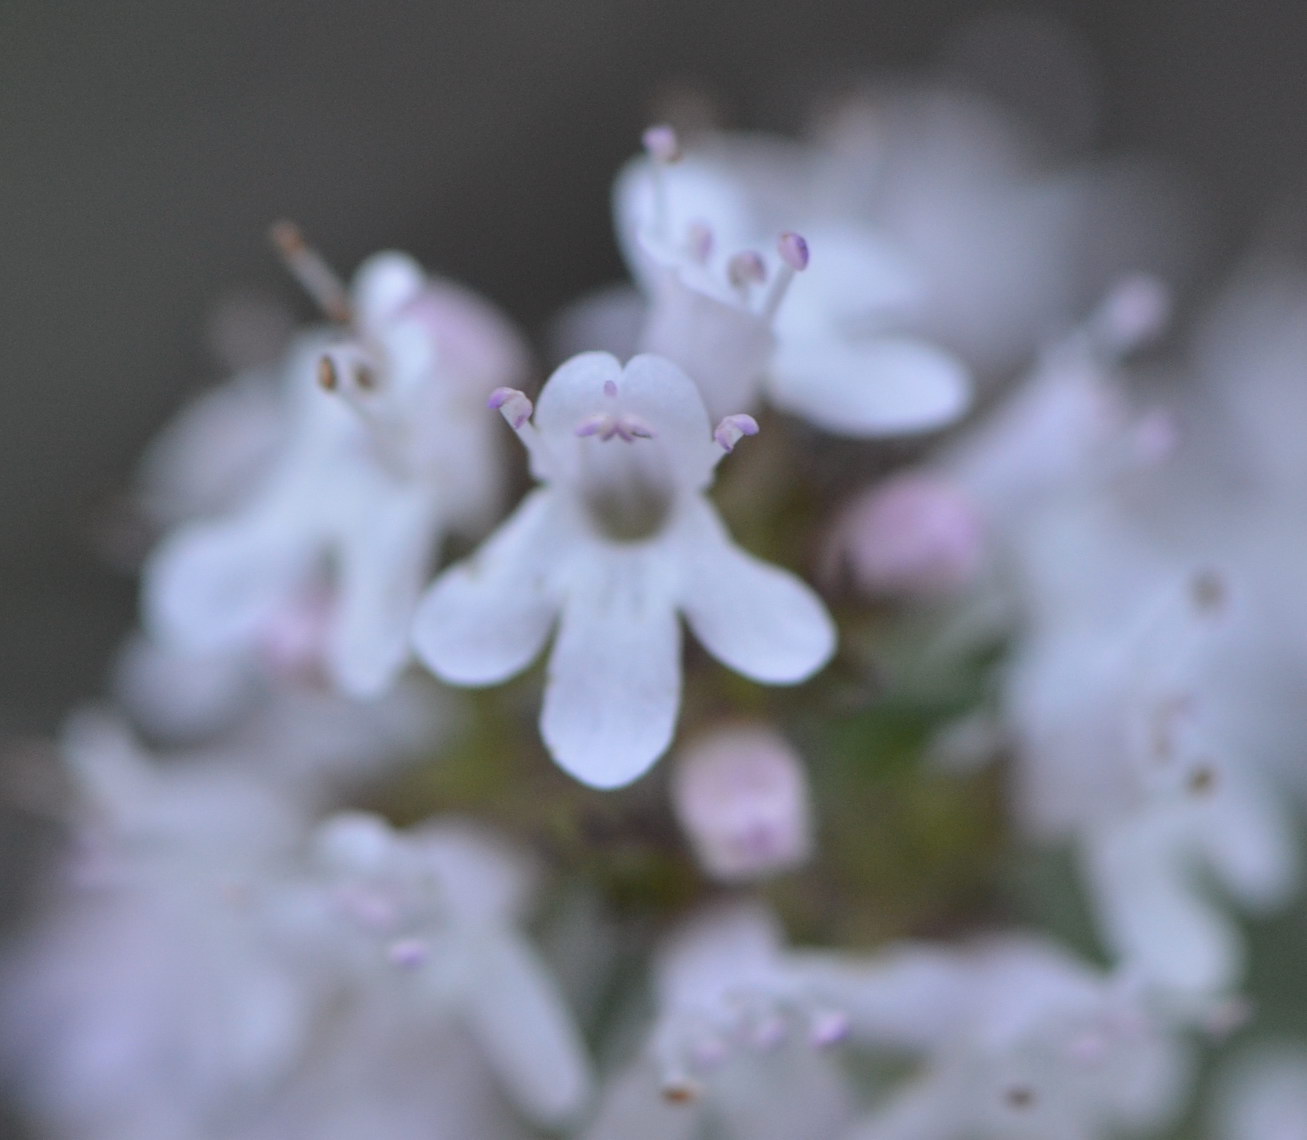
{"x": 617, "y": 543}
{"x": 232, "y": 709}
{"x": 386, "y": 450}
{"x": 154, "y": 999}
{"x": 1017, "y": 1041}
{"x": 1128, "y": 745}
{"x": 424, "y": 928}
{"x": 741, "y": 794}
{"x": 1262, "y": 1094}
{"x": 697, "y": 235}
{"x": 739, "y": 1044}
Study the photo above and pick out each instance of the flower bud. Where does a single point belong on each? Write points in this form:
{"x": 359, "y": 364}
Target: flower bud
{"x": 741, "y": 795}
{"x": 914, "y": 536}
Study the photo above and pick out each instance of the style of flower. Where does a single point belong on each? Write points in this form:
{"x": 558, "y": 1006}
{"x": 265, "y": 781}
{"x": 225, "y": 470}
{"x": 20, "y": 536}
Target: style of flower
{"x": 726, "y": 311}
{"x": 385, "y": 451}
{"x": 618, "y": 541}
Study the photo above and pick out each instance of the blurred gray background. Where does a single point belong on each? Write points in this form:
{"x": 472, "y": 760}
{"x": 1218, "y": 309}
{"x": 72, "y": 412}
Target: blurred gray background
{"x": 145, "y": 145}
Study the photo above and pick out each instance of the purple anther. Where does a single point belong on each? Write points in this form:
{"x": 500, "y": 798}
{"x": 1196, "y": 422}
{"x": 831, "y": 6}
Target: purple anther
{"x": 600, "y": 424}
{"x": 409, "y": 953}
{"x": 734, "y": 428}
{"x": 512, "y": 405}
{"x": 794, "y": 251}
{"x": 661, "y": 143}
{"x": 631, "y": 428}
{"x": 610, "y": 387}
{"x": 829, "y": 1027}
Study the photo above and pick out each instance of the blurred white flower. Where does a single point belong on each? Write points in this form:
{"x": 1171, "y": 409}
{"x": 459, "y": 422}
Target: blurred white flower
{"x": 211, "y": 968}
{"x": 617, "y": 543}
{"x": 1016, "y": 1039}
{"x": 238, "y": 711}
{"x": 385, "y": 450}
{"x": 697, "y": 234}
{"x": 155, "y": 1000}
{"x": 424, "y": 926}
{"x": 738, "y": 1045}
{"x": 1262, "y": 1094}
{"x": 741, "y": 796}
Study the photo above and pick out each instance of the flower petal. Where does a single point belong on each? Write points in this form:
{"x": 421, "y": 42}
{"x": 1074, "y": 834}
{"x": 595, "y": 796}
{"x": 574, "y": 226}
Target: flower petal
{"x": 384, "y": 560}
{"x": 758, "y": 619}
{"x": 213, "y": 586}
{"x": 521, "y": 1021}
{"x": 614, "y": 685}
{"x": 881, "y": 387}
{"x": 487, "y": 618}
{"x": 1154, "y": 913}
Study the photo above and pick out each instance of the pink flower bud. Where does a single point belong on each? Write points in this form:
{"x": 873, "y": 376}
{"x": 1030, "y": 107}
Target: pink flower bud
{"x": 741, "y": 796}
{"x": 913, "y": 536}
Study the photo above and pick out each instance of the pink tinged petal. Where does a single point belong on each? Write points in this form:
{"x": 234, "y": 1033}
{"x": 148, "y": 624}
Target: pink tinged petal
{"x": 614, "y": 686}
{"x": 519, "y": 1018}
{"x": 724, "y": 348}
{"x": 882, "y": 387}
{"x": 488, "y": 617}
{"x": 383, "y": 563}
{"x": 211, "y": 587}
{"x": 756, "y": 618}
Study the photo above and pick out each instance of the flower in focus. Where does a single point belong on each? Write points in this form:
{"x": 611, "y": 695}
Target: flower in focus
{"x": 617, "y": 542}
{"x": 723, "y": 303}
{"x": 385, "y": 450}
{"x": 741, "y": 795}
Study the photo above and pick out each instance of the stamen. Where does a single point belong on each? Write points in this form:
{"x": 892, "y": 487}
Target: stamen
{"x": 681, "y": 1091}
{"x": 745, "y": 270}
{"x": 1202, "y": 779}
{"x": 662, "y": 144}
{"x": 409, "y": 953}
{"x": 663, "y": 147}
{"x": 512, "y": 405}
{"x": 828, "y": 1027}
{"x": 699, "y": 241}
{"x": 1020, "y": 1096}
{"x": 327, "y": 378}
{"x": 630, "y": 428}
{"x": 794, "y": 259}
{"x": 1134, "y": 313}
{"x": 1209, "y": 591}
{"x": 311, "y": 270}
{"x": 734, "y": 428}
{"x": 610, "y": 387}
{"x": 600, "y": 424}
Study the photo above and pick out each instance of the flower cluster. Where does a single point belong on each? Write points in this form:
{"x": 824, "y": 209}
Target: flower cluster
{"x": 977, "y": 585}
